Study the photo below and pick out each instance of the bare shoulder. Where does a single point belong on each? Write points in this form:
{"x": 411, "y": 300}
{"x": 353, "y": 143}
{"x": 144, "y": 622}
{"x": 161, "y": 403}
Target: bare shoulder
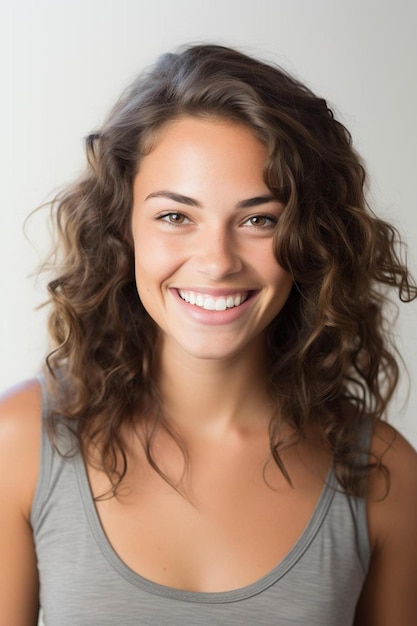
{"x": 392, "y": 497}
{"x": 399, "y": 457}
{"x": 22, "y": 396}
{"x": 21, "y": 408}
{"x": 20, "y": 433}
{"x": 389, "y": 595}
{"x": 20, "y": 430}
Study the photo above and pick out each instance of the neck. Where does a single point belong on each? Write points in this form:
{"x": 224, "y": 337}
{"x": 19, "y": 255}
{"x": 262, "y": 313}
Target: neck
{"x": 215, "y": 396}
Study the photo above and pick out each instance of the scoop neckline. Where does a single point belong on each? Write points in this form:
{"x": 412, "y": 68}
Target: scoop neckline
{"x": 217, "y": 597}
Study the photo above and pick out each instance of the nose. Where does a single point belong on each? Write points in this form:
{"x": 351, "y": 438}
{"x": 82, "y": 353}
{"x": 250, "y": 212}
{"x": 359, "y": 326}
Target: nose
{"x": 217, "y": 254}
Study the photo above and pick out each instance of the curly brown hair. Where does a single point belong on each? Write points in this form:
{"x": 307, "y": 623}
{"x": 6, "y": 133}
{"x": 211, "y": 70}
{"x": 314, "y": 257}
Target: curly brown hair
{"x": 331, "y": 359}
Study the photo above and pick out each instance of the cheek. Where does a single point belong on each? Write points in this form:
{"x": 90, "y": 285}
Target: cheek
{"x": 282, "y": 284}
{"x": 285, "y": 279}
{"x": 155, "y": 262}
{"x": 282, "y": 277}
{"x": 274, "y": 274}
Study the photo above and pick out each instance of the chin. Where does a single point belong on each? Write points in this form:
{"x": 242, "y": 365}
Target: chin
{"x": 221, "y": 350}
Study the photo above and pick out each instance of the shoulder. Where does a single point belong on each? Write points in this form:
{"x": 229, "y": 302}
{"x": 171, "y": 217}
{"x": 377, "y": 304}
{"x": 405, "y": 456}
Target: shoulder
{"x": 389, "y": 595}
{"x": 21, "y": 397}
{"x": 20, "y": 429}
{"x": 20, "y": 435}
{"x": 390, "y": 449}
{"x": 392, "y": 494}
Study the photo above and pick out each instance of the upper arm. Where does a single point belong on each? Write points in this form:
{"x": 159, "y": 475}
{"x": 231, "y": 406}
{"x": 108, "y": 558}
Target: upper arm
{"x": 20, "y": 424}
{"x": 389, "y": 595}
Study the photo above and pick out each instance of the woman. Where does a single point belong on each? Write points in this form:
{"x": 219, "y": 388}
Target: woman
{"x": 212, "y": 444}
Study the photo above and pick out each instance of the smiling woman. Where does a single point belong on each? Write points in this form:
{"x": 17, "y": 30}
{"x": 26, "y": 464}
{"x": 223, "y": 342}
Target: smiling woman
{"x": 206, "y": 443}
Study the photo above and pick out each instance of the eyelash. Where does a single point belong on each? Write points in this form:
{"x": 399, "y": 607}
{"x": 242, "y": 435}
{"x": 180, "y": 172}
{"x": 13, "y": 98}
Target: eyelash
{"x": 166, "y": 217}
{"x": 271, "y": 218}
{"x": 169, "y": 214}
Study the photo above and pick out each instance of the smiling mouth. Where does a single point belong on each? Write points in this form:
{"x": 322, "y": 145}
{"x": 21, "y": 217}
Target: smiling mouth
{"x": 211, "y": 303}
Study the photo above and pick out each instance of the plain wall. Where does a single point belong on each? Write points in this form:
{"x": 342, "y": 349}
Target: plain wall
{"x": 64, "y": 63}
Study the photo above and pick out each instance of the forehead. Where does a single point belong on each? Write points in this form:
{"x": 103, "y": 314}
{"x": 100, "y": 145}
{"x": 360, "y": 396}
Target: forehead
{"x": 191, "y": 149}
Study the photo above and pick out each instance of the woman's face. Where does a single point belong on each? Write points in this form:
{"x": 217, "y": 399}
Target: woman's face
{"x": 203, "y": 222}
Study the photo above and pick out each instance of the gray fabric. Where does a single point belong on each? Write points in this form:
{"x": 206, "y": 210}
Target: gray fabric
{"x": 83, "y": 582}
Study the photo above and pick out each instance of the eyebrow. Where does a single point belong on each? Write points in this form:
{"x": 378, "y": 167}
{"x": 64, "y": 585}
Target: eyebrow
{"x": 243, "y": 204}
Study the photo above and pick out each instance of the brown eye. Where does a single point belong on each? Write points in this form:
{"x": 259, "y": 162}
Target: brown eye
{"x": 261, "y": 221}
{"x": 177, "y": 219}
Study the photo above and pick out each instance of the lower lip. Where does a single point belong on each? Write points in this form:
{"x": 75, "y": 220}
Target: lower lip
{"x": 213, "y": 318}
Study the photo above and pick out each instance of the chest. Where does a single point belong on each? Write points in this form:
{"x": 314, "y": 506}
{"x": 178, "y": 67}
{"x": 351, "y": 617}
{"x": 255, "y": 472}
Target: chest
{"x": 238, "y": 520}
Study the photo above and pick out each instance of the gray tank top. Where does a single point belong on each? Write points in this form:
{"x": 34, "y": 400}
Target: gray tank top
{"x": 84, "y": 583}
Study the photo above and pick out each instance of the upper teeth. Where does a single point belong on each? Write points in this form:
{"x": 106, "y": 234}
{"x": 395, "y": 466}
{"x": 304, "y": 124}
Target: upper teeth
{"x": 210, "y": 302}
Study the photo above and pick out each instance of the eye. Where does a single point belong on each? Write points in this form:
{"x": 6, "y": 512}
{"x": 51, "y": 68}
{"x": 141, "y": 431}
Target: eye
{"x": 174, "y": 218}
{"x": 261, "y": 221}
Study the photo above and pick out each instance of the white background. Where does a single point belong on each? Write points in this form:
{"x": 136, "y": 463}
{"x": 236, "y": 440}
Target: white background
{"x": 63, "y": 63}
